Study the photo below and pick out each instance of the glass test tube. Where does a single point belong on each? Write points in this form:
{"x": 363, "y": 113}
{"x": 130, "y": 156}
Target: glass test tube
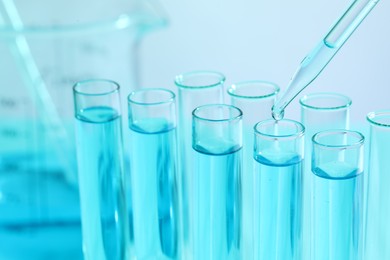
{"x": 255, "y": 99}
{"x": 319, "y": 112}
{"x": 216, "y": 192}
{"x": 153, "y": 161}
{"x": 195, "y": 89}
{"x": 100, "y": 169}
{"x": 337, "y": 165}
{"x": 278, "y": 154}
{"x": 377, "y": 232}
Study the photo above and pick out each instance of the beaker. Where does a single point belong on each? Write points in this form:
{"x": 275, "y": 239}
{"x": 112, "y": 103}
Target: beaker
{"x": 337, "y": 209}
{"x": 278, "y": 154}
{"x": 255, "y": 99}
{"x": 215, "y": 201}
{"x": 195, "y": 89}
{"x": 100, "y": 169}
{"x": 45, "y": 48}
{"x": 153, "y": 160}
{"x": 377, "y": 232}
{"x": 319, "y": 112}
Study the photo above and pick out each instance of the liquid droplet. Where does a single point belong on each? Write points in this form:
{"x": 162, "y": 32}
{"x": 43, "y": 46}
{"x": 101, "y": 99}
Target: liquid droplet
{"x": 278, "y": 116}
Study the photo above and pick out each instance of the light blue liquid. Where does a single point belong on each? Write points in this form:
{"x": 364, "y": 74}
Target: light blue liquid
{"x": 153, "y": 163}
{"x": 337, "y": 212}
{"x": 278, "y": 190}
{"x": 103, "y": 207}
{"x": 247, "y": 183}
{"x": 216, "y": 203}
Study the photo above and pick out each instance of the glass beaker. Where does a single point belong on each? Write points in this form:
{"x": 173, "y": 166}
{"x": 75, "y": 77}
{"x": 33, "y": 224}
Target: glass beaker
{"x": 153, "y": 161}
{"x": 195, "y": 89}
{"x": 319, "y": 112}
{"x": 377, "y": 232}
{"x": 278, "y": 155}
{"x": 45, "y": 48}
{"x": 100, "y": 170}
{"x": 337, "y": 208}
{"x": 215, "y": 198}
{"x": 255, "y": 99}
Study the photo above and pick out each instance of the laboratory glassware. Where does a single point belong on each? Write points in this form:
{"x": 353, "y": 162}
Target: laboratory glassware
{"x": 195, "y": 88}
{"x": 377, "y": 232}
{"x": 45, "y": 48}
{"x": 215, "y": 200}
{"x": 153, "y": 161}
{"x": 278, "y": 155}
{"x": 337, "y": 209}
{"x": 100, "y": 169}
{"x": 319, "y": 112}
{"x": 313, "y": 64}
{"x": 255, "y": 99}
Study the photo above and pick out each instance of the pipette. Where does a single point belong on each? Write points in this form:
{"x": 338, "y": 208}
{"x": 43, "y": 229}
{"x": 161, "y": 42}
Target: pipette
{"x": 313, "y": 64}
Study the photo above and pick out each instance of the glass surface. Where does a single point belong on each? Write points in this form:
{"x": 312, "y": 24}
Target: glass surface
{"x": 319, "y": 112}
{"x": 100, "y": 170}
{"x": 215, "y": 197}
{"x": 377, "y": 232}
{"x": 195, "y": 89}
{"x": 255, "y": 99}
{"x": 337, "y": 211}
{"x": 278, "y": 157}
{"x": 153, "y": 161}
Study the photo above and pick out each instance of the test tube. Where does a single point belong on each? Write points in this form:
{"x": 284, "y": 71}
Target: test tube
{"x": 319, "y": 112}
{"x": 216, "y": 192}
{"x": 195, "y": 89}
{"x": 278, "y": 155}
{"x": 377, "y": 231}
{"x": 337, "y": 165}
{"x": 255, "y": 99}
{"x": 100, "y": 169}
{"x": 153, "y": 162}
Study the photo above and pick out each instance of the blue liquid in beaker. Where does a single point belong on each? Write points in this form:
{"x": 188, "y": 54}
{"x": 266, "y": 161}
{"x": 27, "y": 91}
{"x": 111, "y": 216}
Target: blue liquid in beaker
{"x": 216, "y": 202}
{"x": 103, "y": 210}
{"x": 153, "y": 171}
{"x": 337, "y": 212}
{"x": 278, "y": 210}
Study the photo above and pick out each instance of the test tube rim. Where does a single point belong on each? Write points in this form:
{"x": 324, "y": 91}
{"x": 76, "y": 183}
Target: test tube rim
{"x": 299, "y": 133}
{"x": 371, "y": 116}
{"x": 348, "y": 101}
{"x": 359, "y": 136}
{"x": 166, "y": 101}
{"x": 179, "y": 78}
{"x": 115, "y": 87}
{"x": 276, "y": 89}
{"x": 230, "y": 119}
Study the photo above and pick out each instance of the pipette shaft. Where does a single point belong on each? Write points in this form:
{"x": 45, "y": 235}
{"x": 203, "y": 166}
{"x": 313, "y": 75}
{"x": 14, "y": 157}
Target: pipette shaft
{"x": 313, "y": 64}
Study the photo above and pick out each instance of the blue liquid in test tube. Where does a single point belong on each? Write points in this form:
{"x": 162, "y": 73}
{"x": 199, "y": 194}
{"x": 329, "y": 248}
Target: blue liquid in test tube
{"x": 153, "y": 165}
{"x": 101, "y": 191}
{"x": 337, "y": 208}
{"x": 279, "y": 185}
{"x": 278, "y": 160}
{"x": 216, "y": 217}
{"x": 153, "y": 162}
{"x": 337, "y": 214}
{"x": 215, "y": 198}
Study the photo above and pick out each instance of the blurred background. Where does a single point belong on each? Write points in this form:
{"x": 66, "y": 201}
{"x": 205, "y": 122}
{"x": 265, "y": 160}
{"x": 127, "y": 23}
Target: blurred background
{"x": 267, "y": 40}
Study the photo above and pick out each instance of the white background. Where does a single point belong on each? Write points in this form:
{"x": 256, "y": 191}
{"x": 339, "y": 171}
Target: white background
{"x": 266, "y": 40}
